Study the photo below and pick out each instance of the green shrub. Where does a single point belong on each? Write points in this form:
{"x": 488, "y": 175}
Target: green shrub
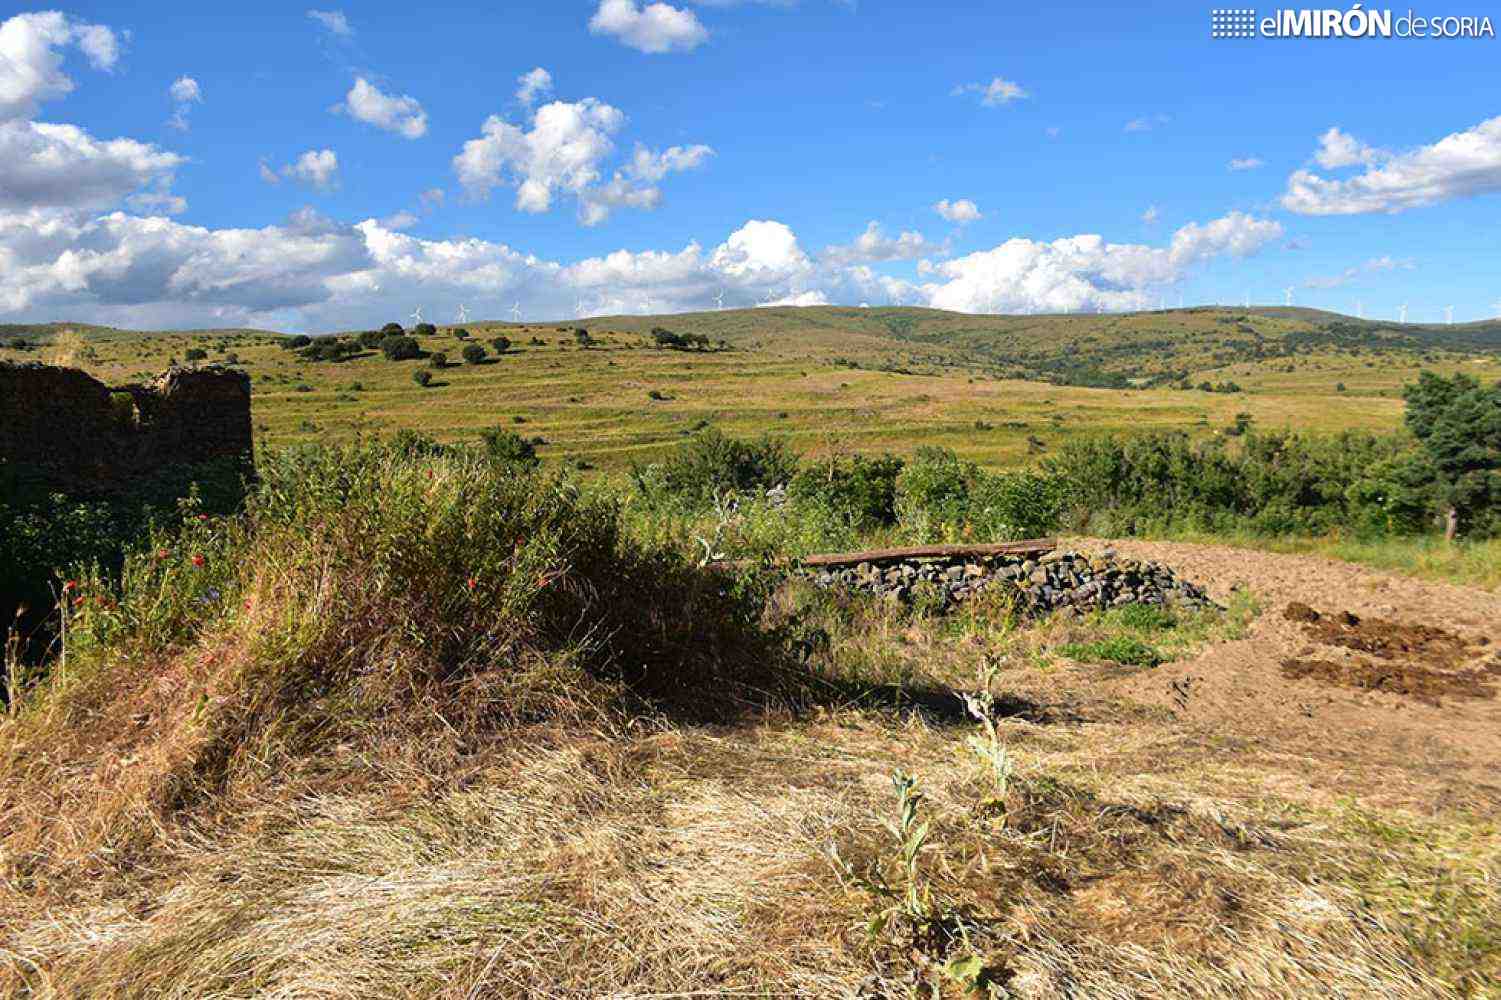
{"x": 422, "y": 377}
{"x": 1126, "y": 650}
{"x": 196, "y": 354}
{"x": 710, "y": 463}
{"x": 461, "y": 334}
{"x": 501, "y": 344}
{"x": 424, "y": 330}
{"x": 509, "y": 448}
{"x": 392, "y": 330}
{"x": 371, "y": 339}
{"x": 397, "y": 348}
{"x": 941, "y": 497}
{"x": 297, "y": 342}
{"x": 438, "y": 360}
{"x": 473, "y": 354}
{"x": 859, "y": 490}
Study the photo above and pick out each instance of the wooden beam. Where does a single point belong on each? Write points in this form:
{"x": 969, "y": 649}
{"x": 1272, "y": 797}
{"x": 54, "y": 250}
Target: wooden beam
{"x": 1027, "y": 547}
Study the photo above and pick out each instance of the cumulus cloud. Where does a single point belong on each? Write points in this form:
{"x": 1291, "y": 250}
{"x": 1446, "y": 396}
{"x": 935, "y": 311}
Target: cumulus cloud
{"x": 1461, "y": 165}
{"x": 997, "y": 93}
{"x": 31, "y": 60}
{"x": 1247, "y": 163}
{"x": 565, "y": 151}
{"x": 875, "y": 246}
{"x": 1145, "y": 123}
{"x": 1086, "y": 272}
{"x": 62, "y": 166}
{"x": 401, "y": 115}
{"x": 184, "y": 93}
{"x": 655, "y": 28}
{"x": 1151, "y": 215}
{"x": 333, "y": 21}
{"x": 316, "y": 168}
{"x": 960, "y": 211}
{"x": 532, "y": 85}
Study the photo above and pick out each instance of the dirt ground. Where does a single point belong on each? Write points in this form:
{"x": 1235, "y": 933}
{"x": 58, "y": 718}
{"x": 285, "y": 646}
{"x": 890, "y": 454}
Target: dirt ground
{"x": 1427, "y": 750}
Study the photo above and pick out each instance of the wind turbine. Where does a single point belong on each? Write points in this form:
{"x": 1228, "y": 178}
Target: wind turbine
{"x": 1359, "y": 309}
{"x": 516, "y": 312}
{"x": 1288, "y": 291}
{"x": 719, "y": 300}
{"x": 578, "y": 308}
{"x": 1402, "y": 313}
{"x": 463, "y": 314}
{"x": 416, "y": 316}
{"x": 1449, "y": 315}
{"x": 1248, "y": 300}
{"x": 646, "y": 303}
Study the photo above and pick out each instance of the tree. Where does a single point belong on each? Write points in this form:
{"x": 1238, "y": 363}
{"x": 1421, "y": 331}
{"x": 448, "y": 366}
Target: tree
{"x": 1458, "y": 423}
{"x": 473, "y": 354}
{"x": 461, "y": 334}
{"x": 582, "y": 337}
{"x": 400, "y": 348}
{"x": 424, "y": 330}
{"x": 438, "y": 360}
{"x": 665, "y": 337}
{"x": 392, "y": 330}
{"x": 196, "y": 354}
{"x": 501, "y": 344}
{"x": 509, "y": 447}
{"x": 293, "y": 343}
{"x": 372, "y": 338}
{"x": 422, "y": 377}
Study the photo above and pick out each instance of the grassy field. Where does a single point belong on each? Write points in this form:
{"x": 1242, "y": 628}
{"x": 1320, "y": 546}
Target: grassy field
{"x": 825, "y": 378}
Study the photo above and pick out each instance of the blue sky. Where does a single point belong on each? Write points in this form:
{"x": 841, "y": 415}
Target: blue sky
{"x": 330, "y": 168}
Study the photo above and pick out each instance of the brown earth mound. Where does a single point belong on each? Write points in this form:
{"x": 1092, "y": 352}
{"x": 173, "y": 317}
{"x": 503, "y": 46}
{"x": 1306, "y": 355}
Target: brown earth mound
{"x": 1419, "y": 661}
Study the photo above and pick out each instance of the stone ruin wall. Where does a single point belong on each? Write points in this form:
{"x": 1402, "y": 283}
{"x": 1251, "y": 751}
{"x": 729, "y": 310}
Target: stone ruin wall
{"x": 66, "y": 431}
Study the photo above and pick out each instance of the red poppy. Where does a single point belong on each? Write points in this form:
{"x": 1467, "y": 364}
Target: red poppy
{"x": 70, "y": 585}
{"x": 198, "y": 560}
{"x": 473, "y": 583}
{"x": 162, "y": 553}
{"x": 78, "y": 601}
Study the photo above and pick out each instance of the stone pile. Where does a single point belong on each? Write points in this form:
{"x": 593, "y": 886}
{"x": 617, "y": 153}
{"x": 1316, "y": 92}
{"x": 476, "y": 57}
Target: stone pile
{"x": 1037, "y": 583}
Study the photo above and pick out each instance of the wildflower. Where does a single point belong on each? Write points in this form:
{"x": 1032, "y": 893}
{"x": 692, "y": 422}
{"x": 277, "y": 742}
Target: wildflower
{"x": 198, "y": 560}
{"x": 70, "y": 585}
{"x": 162, "y": 553}
{"x": 473, "y": 583}
{"x": 78, "y": 601}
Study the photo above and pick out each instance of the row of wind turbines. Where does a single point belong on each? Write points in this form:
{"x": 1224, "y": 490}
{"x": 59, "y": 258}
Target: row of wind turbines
{"x": 461, "y": 315}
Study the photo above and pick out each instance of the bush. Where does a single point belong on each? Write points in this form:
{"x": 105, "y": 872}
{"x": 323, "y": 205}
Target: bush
{"x": 196, "y": 354}
{"x": 582, "y": 338}
{"x": 422, "y": 377}
{"x": 473, "y": 354}
{"x": 509, "y": 448}
{"x": 424, "y": 330}
{"x": 294, "y": 343}
{"x": 859, "y": 491}
{"x": 711, "y": 463}
{"x": 400, "y": 348}
{"x": 941, "y": 497}
{"x": 656, "y": 395}
{"x": 392, "y": 330}
{"x": 371, "y": 339}
{"x": 461, "y": 334}
{"x": 438, "y": 360}
{"x": 666, "y": 338}
{"x": 501, "y": 344}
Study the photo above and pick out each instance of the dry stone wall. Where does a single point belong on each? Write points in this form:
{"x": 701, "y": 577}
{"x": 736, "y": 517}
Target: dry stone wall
{"x": 1037, "y": 583}
{"x": 63, "y": 430}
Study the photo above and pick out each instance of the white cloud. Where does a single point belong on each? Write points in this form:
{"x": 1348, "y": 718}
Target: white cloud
{"x": 1151, "y": 215}
{"x": 62, "y": 166}
{"x": 31, "y": 65}
{"x": 401, "y": 115}
{"x": 431, "y": 198}
{"x": 874, "y": 245}
{"x": 995, "y": 94}
{"x": 1349, "y": 274}
{"x": 655, "y": 28}
{"x": 184, "y": 93}
{"x": 1461, "y": 165}
{"x": 1146, "y": 123}
{"x": 960, "y": 210}
{"x": 333, "y": 21}
{"x": 1247, "y": 163}
{"x": 532, "y": 85}
{"x": 400, "y": 220}
{"x": 1085, "y": 272}
{"x": 317, "y": 168}
{"x": 267, "y": 174}
{"x": 565, "y": 151}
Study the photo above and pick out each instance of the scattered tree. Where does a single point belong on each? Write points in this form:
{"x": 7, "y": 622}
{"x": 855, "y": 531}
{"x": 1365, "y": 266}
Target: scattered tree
{"x": 392, "y": 330}
{"x": 501, "y": 344}
{"x": 422, "y": 377}
{"x": 400, "y": 348}
{"x": 438, "y": 360}
{"x": 196, "y": 354}
{"x": 473, "y": 354}
{"x": 424, "y": 330}
{"x": 509, "y": 447}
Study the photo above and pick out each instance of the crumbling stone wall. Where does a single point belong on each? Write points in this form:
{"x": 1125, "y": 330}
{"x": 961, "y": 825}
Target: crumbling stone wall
{"x": 65, "y": 431}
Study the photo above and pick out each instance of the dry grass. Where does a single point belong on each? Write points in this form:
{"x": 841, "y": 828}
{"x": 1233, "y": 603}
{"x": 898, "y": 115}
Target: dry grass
{"x": 610, "y": 853}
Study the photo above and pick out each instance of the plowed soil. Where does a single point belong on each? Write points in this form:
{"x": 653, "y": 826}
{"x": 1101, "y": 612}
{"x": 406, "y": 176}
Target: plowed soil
{"x": 1379, "y": 686}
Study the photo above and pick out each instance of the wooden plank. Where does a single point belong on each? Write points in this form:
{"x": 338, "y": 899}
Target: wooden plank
{"x": 1030, "y": 546}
